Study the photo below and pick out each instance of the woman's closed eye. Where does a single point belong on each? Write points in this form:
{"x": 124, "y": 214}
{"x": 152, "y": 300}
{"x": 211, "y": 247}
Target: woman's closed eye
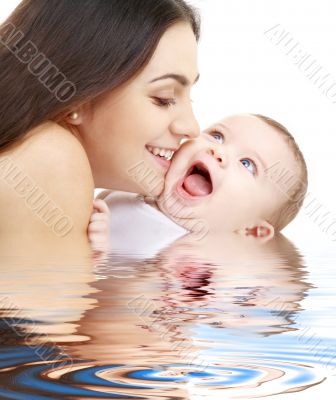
{"x": 249, "y": 165}
{"x": 164, "y": 102}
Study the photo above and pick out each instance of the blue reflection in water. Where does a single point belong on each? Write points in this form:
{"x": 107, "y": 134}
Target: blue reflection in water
{"x": 30, "y": 377}
{"x": 228, "y": 315}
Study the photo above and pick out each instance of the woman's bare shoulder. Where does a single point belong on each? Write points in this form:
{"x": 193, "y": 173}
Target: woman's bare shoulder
{"x": 53, "y": 161}
{"x": 49, "y": 136}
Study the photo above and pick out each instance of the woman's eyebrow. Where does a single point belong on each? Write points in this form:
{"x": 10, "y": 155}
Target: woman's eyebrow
{"x": 181, "y": 79}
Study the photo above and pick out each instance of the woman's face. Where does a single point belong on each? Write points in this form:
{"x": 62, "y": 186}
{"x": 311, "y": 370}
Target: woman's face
{"x": 121, "y": 131}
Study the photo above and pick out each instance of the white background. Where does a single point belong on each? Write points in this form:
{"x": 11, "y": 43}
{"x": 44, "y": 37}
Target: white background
{"x": 243, "y": 71}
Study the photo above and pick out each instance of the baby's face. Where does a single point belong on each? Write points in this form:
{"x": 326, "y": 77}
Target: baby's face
{"x": 221, "y": 178}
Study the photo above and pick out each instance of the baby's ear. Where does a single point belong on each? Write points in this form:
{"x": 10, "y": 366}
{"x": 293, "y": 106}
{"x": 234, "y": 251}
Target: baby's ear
{"x": 263, "y": 232}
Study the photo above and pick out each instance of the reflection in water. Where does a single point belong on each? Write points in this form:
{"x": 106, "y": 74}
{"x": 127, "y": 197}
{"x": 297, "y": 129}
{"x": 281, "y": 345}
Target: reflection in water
{"x": 213, "y": 318}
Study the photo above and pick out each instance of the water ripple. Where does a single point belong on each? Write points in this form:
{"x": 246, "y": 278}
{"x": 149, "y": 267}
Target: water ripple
{"x": 254, "y": 376}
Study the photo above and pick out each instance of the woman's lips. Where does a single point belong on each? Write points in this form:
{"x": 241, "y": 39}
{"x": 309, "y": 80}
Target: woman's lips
{"x": 163, "y": 161}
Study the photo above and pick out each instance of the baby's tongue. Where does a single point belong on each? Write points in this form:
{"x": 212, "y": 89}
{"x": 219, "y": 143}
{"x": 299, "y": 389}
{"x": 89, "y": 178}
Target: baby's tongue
{"x": 197, "y": 185}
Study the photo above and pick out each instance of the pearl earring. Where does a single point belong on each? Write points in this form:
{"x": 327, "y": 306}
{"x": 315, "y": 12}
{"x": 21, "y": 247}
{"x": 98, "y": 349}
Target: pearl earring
{"x": 74, "y": 115}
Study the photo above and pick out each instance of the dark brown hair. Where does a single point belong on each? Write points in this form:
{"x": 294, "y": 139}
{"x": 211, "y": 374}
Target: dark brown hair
{"x": 57, "y": 54}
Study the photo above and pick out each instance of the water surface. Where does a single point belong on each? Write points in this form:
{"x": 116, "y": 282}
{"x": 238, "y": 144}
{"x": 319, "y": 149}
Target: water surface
{"x": 220, "y": 319}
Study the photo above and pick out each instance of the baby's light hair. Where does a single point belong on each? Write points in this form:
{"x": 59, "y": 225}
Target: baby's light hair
{"x": 296, "y": 191}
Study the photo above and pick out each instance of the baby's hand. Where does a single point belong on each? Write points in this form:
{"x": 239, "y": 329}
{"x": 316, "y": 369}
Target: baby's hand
{"x": 98, "y": 229}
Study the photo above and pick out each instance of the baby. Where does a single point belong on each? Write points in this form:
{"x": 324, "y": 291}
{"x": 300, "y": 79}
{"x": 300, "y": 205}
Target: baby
{"x": 245, "y": 174}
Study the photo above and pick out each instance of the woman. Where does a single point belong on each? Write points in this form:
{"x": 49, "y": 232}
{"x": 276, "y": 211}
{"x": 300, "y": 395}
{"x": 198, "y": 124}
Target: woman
{"x": 101, "y": 87}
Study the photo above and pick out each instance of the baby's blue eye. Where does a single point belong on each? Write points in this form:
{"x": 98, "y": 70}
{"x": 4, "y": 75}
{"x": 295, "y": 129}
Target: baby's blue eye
{"x": 219, "y": 137}
{"x": 249, "y": 165}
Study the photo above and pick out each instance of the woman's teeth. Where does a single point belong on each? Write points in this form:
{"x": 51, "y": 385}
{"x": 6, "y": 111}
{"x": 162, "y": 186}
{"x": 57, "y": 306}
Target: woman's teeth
{"x": 158, "y": 151}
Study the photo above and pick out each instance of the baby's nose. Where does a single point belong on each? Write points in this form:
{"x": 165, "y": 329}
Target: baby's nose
{"x": 219, "y": 157}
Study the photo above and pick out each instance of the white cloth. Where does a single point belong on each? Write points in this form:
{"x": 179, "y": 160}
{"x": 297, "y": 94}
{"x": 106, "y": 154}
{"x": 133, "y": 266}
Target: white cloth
{"x": 137, "y": 228}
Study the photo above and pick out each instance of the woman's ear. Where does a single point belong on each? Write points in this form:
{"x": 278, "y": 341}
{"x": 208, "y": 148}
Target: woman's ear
{"x": 77, "y": 116}
{"x": 74, "y": 117}
{"x": 263, "y": 232}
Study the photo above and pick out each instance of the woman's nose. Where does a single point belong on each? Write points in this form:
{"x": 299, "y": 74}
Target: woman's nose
{"x": 186, "y": 125}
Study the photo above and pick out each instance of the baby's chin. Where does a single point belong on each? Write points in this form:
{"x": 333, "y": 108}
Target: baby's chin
{"x": 182, "y": 215}
{"x": 150, "y": 189}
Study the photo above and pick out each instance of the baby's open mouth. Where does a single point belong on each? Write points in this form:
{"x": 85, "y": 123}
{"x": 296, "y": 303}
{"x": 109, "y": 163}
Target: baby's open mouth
{"x": 197, "y": 181}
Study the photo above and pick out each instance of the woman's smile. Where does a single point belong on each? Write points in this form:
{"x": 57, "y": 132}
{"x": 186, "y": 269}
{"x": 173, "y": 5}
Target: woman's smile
{"x": 162, "y": 155}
